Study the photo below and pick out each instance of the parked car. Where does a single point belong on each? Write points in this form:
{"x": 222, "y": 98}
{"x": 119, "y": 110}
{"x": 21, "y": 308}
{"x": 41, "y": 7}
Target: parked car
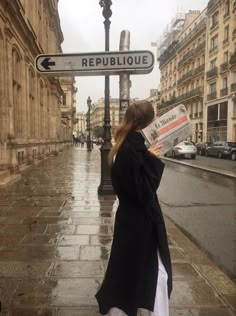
{"x": 222, "y": 149}
{"x": 201, "y": 147}
{"x": 183, "y": 149}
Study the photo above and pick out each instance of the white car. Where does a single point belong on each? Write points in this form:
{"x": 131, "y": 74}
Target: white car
{"x": 184, "y": 149}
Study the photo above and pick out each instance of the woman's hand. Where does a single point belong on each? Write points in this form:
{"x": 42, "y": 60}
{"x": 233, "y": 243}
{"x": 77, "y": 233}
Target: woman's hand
{"x": 155, "y": 149}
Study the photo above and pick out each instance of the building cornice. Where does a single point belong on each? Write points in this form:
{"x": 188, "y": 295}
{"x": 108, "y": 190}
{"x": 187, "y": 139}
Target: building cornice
{"x": 14, "y": 10}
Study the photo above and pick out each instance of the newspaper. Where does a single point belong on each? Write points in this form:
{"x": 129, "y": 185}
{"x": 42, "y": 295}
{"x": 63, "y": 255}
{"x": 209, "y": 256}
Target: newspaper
{"x": 169, "y": 129}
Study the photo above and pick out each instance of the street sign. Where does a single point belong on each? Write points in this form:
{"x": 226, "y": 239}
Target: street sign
{"x": 96, "y": 64}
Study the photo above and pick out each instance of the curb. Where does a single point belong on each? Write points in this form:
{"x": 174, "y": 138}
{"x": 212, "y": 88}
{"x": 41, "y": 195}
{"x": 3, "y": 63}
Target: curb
{"x": 212, "y": 170}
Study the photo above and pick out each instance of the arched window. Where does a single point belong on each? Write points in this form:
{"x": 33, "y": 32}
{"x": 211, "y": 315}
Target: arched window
{"x": 16, "y": 87}
{"x": 41, "y": 108}
{"x": 2, "y": 97}
{"x": 32, "y": 108}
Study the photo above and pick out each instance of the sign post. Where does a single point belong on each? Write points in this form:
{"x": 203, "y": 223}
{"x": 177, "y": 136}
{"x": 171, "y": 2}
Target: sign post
{"x": 96, "y": 64}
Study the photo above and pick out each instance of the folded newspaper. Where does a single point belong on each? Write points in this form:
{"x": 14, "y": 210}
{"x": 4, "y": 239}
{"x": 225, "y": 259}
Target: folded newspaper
{"x": 169, "y": 129}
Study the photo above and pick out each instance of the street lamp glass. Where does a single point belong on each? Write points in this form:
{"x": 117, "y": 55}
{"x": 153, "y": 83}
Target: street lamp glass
{"x": 104, "y": 3}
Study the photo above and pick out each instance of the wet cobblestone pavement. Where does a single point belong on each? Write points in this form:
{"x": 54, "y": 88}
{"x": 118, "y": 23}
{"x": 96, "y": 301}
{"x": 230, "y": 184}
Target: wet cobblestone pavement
{"x": 55, "y": 238}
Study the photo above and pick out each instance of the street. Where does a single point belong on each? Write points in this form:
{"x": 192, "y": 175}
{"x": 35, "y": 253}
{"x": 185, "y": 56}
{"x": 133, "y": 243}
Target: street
{"x": 203, "y": 204}
{"x": 56, "y": 233}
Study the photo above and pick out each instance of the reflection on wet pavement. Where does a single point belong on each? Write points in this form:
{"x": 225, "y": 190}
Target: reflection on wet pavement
{"x": 55, "y": 240}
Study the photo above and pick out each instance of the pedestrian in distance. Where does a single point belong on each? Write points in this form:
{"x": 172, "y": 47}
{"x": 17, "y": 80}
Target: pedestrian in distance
{"x": 139, "y": 273}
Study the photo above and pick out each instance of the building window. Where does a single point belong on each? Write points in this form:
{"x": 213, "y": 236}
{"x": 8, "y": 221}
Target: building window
{"x": 64, "y": 99}
{"x": 212, "y": 88}
{"x": 227, "y": 8}
{"x": 213, "y": 64}
{"x": 234, "y": 109}
{"x": 214, "y": 43}
{"x": 16, "y": 84}
{"x": 226, "y": 57}
{"x": 225, "y": 83}
{"x": 226, "y": 34}
{"x": 214, "y": 20}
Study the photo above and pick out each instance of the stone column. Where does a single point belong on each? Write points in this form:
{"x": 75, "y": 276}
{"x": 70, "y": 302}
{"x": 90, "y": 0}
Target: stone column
{"x": 3, "y": 107}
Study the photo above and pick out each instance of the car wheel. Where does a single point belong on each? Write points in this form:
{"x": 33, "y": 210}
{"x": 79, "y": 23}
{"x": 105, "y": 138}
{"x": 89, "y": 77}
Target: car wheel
{"x": 193, "y": 156}
{"x": 233, "y": 155}
{"x": 219, "y": 154}
{"x": 200, "y": 152}
{"x": 173, "y": 154}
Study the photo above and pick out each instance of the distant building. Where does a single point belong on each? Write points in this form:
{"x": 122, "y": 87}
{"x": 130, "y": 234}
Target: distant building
{"x": 80, "y": 127}
{"x": 154, "y": 98}
{"x": 97, "y": 114}
{"x": 68, "y": 107}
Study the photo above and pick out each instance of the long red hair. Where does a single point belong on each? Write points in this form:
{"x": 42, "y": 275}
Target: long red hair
{"x": 137, "y": 116}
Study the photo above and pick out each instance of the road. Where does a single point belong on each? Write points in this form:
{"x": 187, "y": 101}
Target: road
{"x": 203, "y": 204}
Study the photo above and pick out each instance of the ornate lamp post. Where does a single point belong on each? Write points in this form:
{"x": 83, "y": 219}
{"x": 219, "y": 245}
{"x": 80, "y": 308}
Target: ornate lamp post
{"x": 105, "y": 186}
{"x": 89, "y": 143}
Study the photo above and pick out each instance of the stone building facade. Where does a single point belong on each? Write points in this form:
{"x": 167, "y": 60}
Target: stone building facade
{"x": 197, "y": 68}
{"x": 220, "y": 84}
{"x": 182, "y": 67}
{"x": 31, "y": 122}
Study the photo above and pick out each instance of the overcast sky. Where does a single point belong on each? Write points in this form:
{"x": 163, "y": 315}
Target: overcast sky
{"x": 83, "y": 30}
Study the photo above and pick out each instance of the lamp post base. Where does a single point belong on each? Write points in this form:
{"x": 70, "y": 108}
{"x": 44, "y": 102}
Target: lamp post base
{"x": 89, "y": 145}
{"x": 105, "y": 187}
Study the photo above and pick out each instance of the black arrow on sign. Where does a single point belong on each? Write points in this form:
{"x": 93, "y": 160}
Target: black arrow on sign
{"x": 46, "y": 63}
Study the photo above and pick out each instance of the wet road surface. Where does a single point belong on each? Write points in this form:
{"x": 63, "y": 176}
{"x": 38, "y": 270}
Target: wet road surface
{"x": 204, "y": 205}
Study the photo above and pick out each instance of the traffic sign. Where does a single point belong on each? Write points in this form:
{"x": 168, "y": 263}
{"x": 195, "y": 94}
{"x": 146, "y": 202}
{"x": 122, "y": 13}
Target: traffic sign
{"x": 96, "y": 64}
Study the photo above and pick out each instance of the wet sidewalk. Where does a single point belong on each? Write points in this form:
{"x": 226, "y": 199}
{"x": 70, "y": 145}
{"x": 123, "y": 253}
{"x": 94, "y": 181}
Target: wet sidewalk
{"x": 55, "y": 238}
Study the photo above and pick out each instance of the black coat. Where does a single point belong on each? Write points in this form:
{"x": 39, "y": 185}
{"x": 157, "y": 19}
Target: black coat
{"x": 131, "y": 277}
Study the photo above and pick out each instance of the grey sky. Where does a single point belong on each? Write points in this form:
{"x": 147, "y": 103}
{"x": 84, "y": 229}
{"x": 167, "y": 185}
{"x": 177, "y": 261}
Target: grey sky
{"x": 83, "y": 29}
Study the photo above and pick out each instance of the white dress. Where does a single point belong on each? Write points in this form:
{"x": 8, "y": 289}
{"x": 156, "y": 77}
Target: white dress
{"x": 161, "y": 306}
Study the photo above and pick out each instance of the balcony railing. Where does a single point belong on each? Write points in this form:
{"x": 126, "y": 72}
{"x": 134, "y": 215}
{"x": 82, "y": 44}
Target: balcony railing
{"x": 211, "y": 96}
{"x": 198, "y": 70}
{"x": 212, "y": 4}
{"x": 226, "y": 15}
{"x": 185, "y": 77}
{"x": 168, "y": 53}
{"x": 233, "y": 87}
{"x": 190, "y": 94}
{"x": 223, "y": 92}
{"x": 225, "y": 41}
{"x": 214, "y": 26}
{"x": 186, "y": 57}
{"x": 232, "y": 60}
{"x": 167, "y": 103}
{"x": 191, "y": 54}
{"x": 224, "y": 67}
{"x": 213, "y": 49}
{"x": 212, "y": 73}
{"x": 199, "y": 48}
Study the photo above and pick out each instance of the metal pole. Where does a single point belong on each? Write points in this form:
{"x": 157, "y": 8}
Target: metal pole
{"x": 105, "y": 186}
{"x": 125, "y": 82}
{"x": 89, "y": 143}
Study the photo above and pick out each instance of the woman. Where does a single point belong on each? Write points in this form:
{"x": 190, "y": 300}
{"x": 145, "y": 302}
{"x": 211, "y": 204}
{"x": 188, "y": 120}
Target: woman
{"x": 139, "y": 269}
